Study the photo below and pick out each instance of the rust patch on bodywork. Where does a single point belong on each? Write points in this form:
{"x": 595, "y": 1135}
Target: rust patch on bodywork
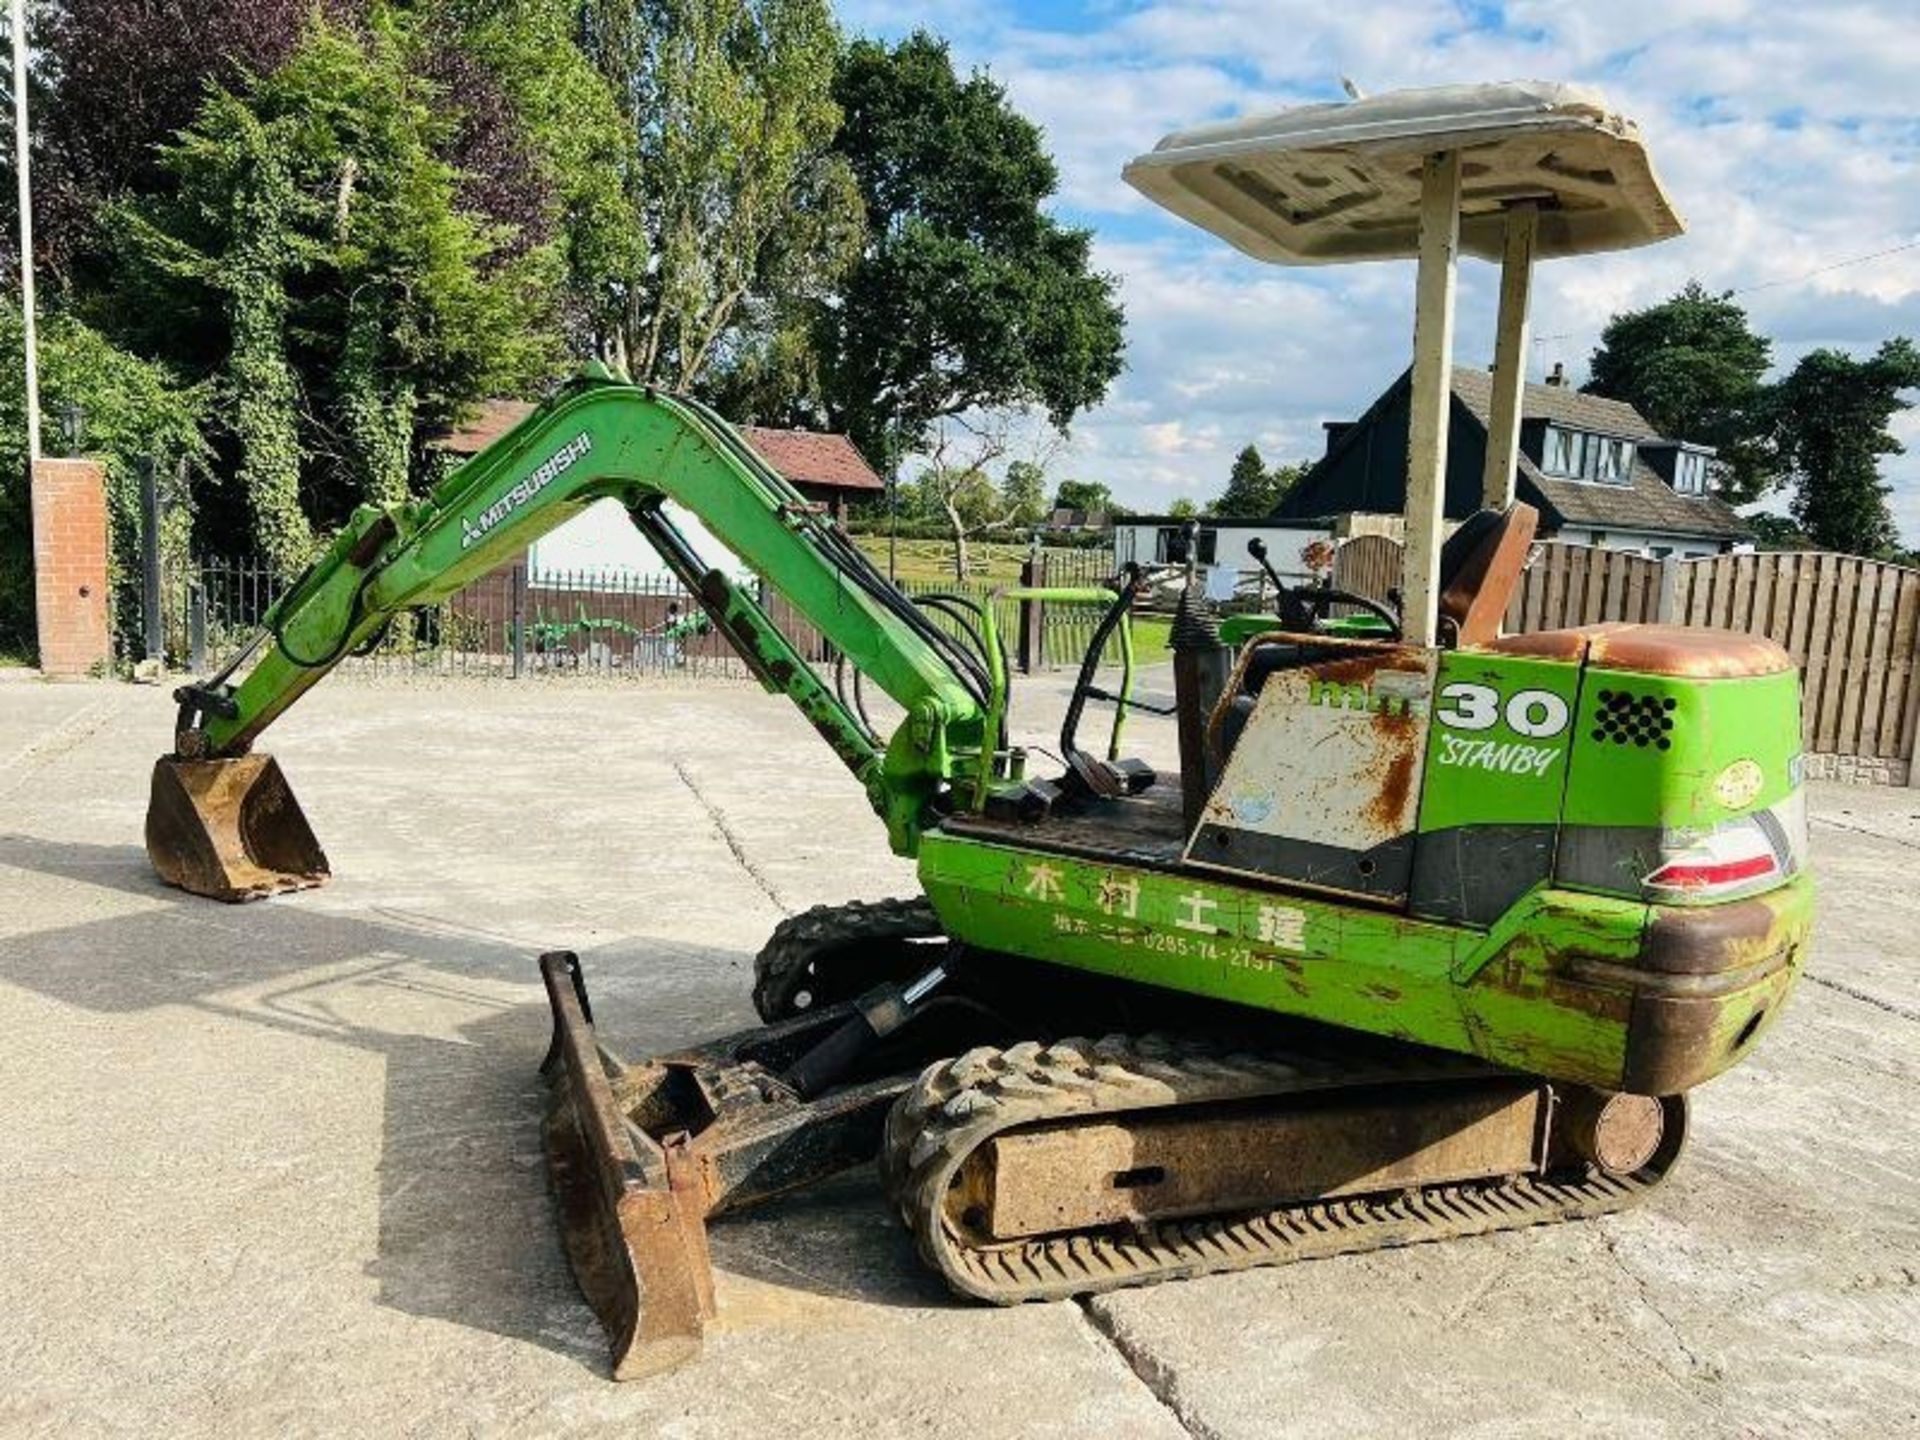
{"x": 1388, "y": 776}
{"x": 1358, "y": 668}
{"x": 1699, "y": 653}
{"x": 1323, "y": 784}
{"x": 1709, "y": 939}
{"x": 1388, "y": 807}
{"x": 1707, "y": 982}
{"x": 1601, "y": 1002}
{"x": 1544, "y": 644}
{"x": 1693, "y": 652}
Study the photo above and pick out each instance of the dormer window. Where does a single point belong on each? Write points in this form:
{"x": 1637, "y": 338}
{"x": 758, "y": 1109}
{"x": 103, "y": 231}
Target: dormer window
{"x": 1690, "y": 472}
{"x": 1563, "y": 452}
{"x": 1581, "y": 455}
{"x": 1612, "y": 459}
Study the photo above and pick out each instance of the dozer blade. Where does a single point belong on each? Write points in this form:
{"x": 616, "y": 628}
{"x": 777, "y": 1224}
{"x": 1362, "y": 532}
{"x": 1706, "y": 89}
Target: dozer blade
{"x": 230, "y": 829}
{"x": 634, "y": 1224}
{"x": 642, "y": 1155}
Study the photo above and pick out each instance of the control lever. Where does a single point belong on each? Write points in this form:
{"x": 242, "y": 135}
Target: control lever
{"x": 1293, "y": 614}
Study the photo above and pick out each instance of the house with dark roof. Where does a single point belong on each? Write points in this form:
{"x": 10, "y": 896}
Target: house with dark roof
{"x": 1597, "y": 472}
{"x": 826, "y": 468}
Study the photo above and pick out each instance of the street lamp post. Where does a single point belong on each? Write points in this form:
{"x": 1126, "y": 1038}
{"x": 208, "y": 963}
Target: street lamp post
{"x": 26, "y": 226}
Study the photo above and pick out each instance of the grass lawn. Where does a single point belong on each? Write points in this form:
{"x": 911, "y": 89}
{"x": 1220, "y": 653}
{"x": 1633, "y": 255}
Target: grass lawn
{"x": 1151, "y": 637}
{"x": 995, "y": 563}
{"x": 990, "y": 562}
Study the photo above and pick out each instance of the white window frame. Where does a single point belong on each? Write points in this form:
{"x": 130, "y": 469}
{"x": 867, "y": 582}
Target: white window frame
{"x": 1690, "y": 473}
{"x": 1586, "y": 455}
{"x": 1612, "y": 460}
{"x": 1560, "y": 438}
{"x": 1206, "y": 545}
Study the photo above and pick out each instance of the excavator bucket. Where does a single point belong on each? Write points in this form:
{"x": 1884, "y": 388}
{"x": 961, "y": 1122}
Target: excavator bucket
{"x": 230, "y": 829}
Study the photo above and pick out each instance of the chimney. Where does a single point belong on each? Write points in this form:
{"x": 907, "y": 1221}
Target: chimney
{"x": 1558, "y": 377}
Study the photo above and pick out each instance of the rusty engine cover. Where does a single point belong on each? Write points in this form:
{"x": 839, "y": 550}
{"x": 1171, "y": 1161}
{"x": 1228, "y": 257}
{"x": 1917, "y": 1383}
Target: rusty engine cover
{"x": 1323, "y": 786}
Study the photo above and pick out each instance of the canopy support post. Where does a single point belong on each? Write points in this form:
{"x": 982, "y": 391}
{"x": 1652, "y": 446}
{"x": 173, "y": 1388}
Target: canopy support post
{"x": 1510, "y": 355}
{"x": 1431, "y": 399}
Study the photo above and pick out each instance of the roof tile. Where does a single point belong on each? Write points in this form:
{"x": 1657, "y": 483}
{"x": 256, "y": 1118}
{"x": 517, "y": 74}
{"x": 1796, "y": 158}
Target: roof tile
{"x": 809, "y": 457}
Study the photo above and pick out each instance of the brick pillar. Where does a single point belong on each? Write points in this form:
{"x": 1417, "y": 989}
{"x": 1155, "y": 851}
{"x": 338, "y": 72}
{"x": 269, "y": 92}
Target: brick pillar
{"x": 70, "y": 565}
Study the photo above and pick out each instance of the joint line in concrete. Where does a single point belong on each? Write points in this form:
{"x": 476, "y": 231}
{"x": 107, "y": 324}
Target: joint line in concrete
{"x": 1151, "y": 1371}
{"x": 738, "y": 850}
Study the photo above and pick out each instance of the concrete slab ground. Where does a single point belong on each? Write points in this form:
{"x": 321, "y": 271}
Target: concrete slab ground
{"x": 276, "y": 1169}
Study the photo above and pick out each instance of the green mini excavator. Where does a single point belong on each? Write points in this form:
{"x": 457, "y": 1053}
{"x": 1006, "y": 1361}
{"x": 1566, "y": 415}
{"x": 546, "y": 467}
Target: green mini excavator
{"x": 1430, "y": 936}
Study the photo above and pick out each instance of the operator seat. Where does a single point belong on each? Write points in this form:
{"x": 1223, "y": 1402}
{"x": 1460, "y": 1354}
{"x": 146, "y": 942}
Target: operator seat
{"x": 1480, "y": 566}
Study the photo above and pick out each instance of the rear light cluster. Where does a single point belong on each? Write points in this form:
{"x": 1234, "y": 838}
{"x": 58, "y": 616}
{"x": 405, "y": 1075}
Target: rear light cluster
{"x": 1739, "y": 857}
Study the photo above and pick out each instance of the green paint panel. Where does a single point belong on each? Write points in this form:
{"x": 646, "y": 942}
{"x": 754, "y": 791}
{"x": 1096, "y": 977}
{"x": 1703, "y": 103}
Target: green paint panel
{"x": 1497, "y": 749}
{"x": 1621, "y": 774}
{"x": 1506, "y": 994}
{"x": 1278, "y": 952}
{"x": 1236, "y": 630}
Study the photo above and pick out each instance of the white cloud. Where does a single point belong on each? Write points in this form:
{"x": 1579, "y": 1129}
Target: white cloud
{"x": 1166, "y": 438}
{"x": 1786, "y": 130}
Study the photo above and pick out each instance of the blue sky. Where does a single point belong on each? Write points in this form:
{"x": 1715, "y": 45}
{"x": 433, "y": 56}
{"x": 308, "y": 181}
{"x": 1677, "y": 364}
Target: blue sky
{"x": 1787, "y": 132}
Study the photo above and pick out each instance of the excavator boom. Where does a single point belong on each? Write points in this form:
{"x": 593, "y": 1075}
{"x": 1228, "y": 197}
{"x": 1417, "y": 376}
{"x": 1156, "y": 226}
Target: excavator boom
{"x": 223, "y": 823}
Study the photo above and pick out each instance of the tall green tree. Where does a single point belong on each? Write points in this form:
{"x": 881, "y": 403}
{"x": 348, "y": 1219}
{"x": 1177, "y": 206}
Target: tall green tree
{"x": 1777, "y": 532}
{"x": 565, "y": 131}
{"x": 736, "y": 186}
{"x": 1831, "y": 417}
{"x": 1693, "y": 366}
{"x": 967, "y": 295}
{"x": 118, "y": 78}
{"x": 1088, "y": 495}
{"x": 1285, "y": 477}
{"x": 313, "y": 261}
{"x": 1023, "y": 493}
{"x": 1250, "y": 491}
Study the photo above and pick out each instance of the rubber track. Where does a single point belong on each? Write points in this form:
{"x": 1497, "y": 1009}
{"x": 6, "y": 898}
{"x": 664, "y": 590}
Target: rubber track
{"x": 780, "y": 970}
{"x": 958, "y": 1105}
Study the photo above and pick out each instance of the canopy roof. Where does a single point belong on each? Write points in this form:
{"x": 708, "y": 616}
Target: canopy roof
{"x": 1322, "y": 184}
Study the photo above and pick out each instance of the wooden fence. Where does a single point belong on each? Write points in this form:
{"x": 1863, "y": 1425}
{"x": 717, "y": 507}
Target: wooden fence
{"x": 1851, "y": 625}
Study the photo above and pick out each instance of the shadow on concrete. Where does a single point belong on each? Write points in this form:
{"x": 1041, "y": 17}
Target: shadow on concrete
{"x": 466, "y": 1231}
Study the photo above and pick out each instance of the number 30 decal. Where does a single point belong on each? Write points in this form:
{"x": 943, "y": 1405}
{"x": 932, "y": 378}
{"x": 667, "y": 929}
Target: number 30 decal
{"x": 1533, "y": 713}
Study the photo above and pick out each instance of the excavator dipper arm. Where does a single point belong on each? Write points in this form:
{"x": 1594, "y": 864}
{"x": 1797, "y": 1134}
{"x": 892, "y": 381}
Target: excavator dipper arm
{"x": 222, "y": 822}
